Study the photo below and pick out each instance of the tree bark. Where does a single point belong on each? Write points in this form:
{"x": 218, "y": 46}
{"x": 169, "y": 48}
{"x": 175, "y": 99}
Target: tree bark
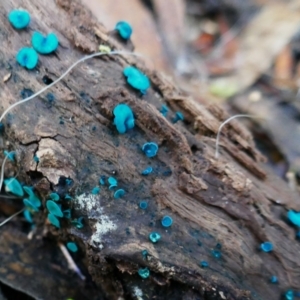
{"x": 234, "y": 201}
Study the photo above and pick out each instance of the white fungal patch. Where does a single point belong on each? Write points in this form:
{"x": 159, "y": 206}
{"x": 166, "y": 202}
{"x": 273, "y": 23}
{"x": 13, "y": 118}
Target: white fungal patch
{"x": 138, "y": 293}
{"x": 91, "y": 205}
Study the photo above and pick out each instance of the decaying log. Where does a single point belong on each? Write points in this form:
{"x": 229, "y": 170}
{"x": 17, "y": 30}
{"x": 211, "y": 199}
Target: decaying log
{"x": 233, "y": 201}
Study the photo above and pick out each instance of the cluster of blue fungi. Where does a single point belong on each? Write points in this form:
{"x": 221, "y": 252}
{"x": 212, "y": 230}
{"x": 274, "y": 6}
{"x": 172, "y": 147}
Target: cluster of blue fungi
{"x": 124, "y": 120}
{"x": 28, "y": 57}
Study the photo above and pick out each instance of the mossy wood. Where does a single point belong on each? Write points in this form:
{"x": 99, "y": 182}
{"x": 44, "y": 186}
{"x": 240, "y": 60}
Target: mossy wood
{"x": 233, "y": 201}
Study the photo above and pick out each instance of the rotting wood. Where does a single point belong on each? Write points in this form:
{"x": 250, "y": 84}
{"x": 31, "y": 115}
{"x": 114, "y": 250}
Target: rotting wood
{"x": 234, "y": 201}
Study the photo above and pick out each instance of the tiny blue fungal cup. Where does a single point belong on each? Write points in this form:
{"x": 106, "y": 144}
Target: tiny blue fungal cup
{"x": 95, "y": 190}
{"x": 274, "y": 279}
{"x": 150, "y": 149}
{"x": 144, "y": 272}
{"x": 289, "y": 295}
{"x": 53, "y": 220}
{"x": 12, "y": 185}
{"x": 44, "y": 44}
{"x": 54, "y": 209}
{"x": 119, "y": 193}
{"x": 143, "y": 204}
{"x": 178, "y": 117}
{"x": 124, "y": 119}
{"x": 166, "y": 221}
{"x": 27, "y": 58}
{"x": 54, "y": 196}
{"x": 294, "y": 217}
{"x": 266, "y": 247}
{"x": 154, "y": 237}
{"x": 124, "y": 29}
{"x": 136, "y": 79}
{"x": 204, "y": 264}
{"x": 19, "y": 19}
{"x": 216, "y": 253}
{"x": 164, "y": 110}
{"x": 72, "y": 247}
{"x": 147, "y": 171}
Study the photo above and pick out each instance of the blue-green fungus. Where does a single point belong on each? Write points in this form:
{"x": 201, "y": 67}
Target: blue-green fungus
{"x": 136, "y": 79}
{"x": 78, "y": 223}
{"x": 178, "y": 117}
{"x": 10, "y": 155}
{"x": 289, "y": 295}
{"x": 1, "y": 128}
{"x": 150, "y": 149}
{"x": 54, "y": 197}
{"x": 27, "y": 58}
{"x": 119, "y": 193}
{"x": 36, "y": 158}
{"x": 143, "y": 205}
{"x": 33, "y": 198}
{"x": 29, "y": 205}
{"x": 69, "y": 181}
{"x": 218, "y": 246}
{"x": 147, "y": 171}
{"x": 112, "y": 181}
{"x": 204, "y": 264}
{"x": 166, "y": 221}
{"x": 274, "y": 279}
{"x": 53, "y": 220}
{"x": 145, "y": 254}
{"x": 294, "y": 217}
{"x": 216, "y": 253}
{"x": 164, "y": 110}
{"x": 298, "y": 235}
{"x": 124, "y": 119}
{"x": 144, "y": 272}
{"x": 266, "y": 247}
{"x": 54, "y": 209}
{"x": 102, "y": 180}
{"x": 27, "y": 216}
{"x": 124, "y": 29}
{"x": 72, "y": 247}
{"x": 44, "y": 44}
{"x": 67, "y": 213}
{"x": 154, "y": 237}
{"x": 68, "y": 197}
{"x": 19, "y": 19}
{"x": 96, "y": 190}
{"x": 12, "y": 185}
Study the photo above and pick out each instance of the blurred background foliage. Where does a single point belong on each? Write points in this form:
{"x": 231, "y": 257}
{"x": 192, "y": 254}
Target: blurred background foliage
{"x": 242, "y": 54}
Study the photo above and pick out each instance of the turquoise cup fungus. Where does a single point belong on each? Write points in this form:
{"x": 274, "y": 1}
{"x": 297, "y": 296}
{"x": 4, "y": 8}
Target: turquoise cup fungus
{"x": 150, "y": 149}
{"x": 124, "y": 29}
{"x": 19, "y": 19}
{"x": 294, "y": 217}
{"x": 12, "y": 185}
{"x": 124, "y": 119}
{"x": 53, "y": 220}
{"x": 27, "y": 58}
{"x": 136, "y": 79}
{"x": 54, "y": 209}
{"x": 72, "y": 247}
{"x": 44, "y": 44}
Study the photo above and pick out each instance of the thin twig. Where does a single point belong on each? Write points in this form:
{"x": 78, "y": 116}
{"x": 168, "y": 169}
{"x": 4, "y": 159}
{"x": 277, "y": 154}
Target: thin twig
{"x": 63, "y": 75}
{"x": 71, "y": 263}
{"x": 11, "y": 217}
{"x": 2, "y": 171}
{"x": 224, "y": 123}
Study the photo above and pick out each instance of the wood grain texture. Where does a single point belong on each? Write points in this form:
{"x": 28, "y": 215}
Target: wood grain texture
{"x": 232, "y": 201}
